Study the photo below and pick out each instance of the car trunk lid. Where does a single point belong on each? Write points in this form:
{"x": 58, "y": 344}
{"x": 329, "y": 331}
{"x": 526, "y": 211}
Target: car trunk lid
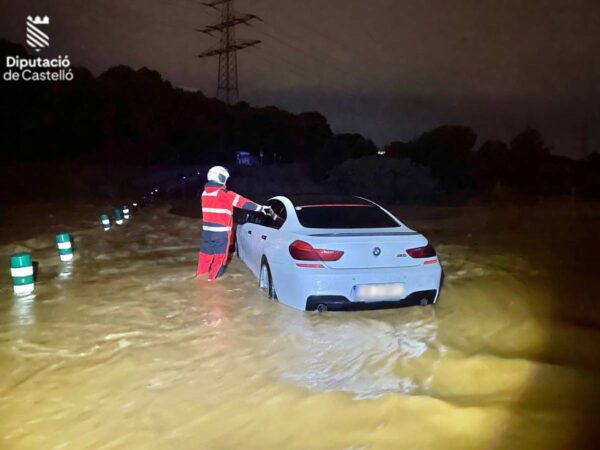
{"x": 368, "y": 248}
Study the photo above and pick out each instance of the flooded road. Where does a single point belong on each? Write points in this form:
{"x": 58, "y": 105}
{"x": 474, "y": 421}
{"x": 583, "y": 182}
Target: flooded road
{"x": 123, "y": 349}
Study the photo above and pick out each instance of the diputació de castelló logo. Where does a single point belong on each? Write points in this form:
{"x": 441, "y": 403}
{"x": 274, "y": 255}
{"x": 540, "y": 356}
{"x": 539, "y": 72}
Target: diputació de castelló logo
{"x": 24, "y": 68}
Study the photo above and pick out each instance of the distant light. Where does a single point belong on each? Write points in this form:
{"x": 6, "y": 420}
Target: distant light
{"x": 184, "y": 177}
{"x": 381, "y": 152}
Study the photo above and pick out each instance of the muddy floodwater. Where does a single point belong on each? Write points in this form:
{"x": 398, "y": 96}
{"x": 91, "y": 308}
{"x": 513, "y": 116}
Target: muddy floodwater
{"x": 124, "y": 349}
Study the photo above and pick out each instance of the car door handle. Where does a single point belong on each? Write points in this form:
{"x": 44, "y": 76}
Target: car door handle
{"x": 264, "y": 237}
{"x": 249, "y": 231}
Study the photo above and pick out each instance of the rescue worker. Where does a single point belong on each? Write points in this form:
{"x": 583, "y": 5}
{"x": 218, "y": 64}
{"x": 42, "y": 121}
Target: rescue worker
{"x": 217, "y": 221}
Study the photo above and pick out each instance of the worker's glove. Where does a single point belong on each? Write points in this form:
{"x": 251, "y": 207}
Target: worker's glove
{"x": 266, "y": 210}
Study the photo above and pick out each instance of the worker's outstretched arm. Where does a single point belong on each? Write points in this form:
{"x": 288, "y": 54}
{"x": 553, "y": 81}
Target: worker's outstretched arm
{"x": 242, "y": 202}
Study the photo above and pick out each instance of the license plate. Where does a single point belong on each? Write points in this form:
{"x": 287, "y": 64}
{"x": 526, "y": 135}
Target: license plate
{"x": 378, "y": 292}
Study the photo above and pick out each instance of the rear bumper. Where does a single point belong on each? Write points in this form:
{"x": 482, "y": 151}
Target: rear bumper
{"x": 306, "y": 288}
{"x": 341, "y": 303}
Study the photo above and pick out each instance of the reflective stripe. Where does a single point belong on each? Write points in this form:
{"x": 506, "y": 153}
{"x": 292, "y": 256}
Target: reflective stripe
{"x": 21, "y": 271}
{"x": 64, "y": 245}
{"x": 24, "y": 289}
{"x": 207, "y": 228}
{"x": 106, "y": 222}
{"x": 67, "y": 257}
{"x": 236, "y": 200}
{"x": 210, "y": 194}
{"x": 217, "y": 211}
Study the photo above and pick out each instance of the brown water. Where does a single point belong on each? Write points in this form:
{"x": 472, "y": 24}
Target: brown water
{"x": 123, "y": 349}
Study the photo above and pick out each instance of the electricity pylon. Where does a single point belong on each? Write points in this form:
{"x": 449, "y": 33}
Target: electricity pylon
{"x": 227, "y": 82}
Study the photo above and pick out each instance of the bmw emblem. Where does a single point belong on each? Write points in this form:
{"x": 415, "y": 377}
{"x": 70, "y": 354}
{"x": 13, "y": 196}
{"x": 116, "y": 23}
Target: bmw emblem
{"x": 376, "y": 251}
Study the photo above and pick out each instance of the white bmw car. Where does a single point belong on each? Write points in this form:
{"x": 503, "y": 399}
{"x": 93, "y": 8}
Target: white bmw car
{"x": 325, "y": 252}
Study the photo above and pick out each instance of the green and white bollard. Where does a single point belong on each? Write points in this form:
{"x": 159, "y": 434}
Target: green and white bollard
{"x": 21, "y": 270}
{"x": 126, "y": 212}
{"x": 118, "y": 216}
{"x": 65, "y": 248}
{"x": 105, "y": 222}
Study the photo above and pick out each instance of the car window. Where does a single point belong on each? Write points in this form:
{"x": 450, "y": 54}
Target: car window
{"x": 344, "y": 216}
{"x": 278, "y": 218}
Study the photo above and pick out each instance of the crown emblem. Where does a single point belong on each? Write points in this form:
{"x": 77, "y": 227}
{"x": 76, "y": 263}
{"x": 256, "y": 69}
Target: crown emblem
{"x": 37, "y": 20}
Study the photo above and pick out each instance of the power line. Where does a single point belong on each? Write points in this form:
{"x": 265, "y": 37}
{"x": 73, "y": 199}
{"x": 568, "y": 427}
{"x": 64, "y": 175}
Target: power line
{"x": 305, "y": 29}
{"x": 293, "y": 68}
{"x": 309, "y": 54}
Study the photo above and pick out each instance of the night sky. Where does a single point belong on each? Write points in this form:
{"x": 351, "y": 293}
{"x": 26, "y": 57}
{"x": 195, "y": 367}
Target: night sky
{"x": 389, "y": 69}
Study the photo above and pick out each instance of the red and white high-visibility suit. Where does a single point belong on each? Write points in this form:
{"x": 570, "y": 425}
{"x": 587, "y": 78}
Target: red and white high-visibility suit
{"x": 217, "y": 222}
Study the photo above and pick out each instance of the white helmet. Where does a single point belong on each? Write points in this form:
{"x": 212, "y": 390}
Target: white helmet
{"x": 218, "y": 174}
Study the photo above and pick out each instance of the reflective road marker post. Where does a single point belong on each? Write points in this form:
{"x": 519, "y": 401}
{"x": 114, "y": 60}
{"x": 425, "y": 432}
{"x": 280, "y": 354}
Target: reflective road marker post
{"x": 126, "y": 212}
{"x": 105, "y": 222}
{"x": 118, "y": 216}
{"x": 65, "y": 248}
{"x": 21, "y": 270}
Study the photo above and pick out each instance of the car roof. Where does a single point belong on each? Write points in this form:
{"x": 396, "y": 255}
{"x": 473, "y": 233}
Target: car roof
{"x": 326, "y": 199}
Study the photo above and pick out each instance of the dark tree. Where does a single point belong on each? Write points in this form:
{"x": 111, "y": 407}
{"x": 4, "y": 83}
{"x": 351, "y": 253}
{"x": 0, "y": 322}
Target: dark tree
{"x": 491, "y": 165}
{"x": 137, "y": 117}
{"x": 315, "y": 132}
{"x": 397, "y": 149}
{"x": 528, "y": 153}
{"x": 338, "y": 149}
{"x": 446, "y": 150}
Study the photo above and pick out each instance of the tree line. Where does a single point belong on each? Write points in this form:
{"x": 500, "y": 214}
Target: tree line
{"x": 135, "y": 117}
{"x": 524, "y": 165}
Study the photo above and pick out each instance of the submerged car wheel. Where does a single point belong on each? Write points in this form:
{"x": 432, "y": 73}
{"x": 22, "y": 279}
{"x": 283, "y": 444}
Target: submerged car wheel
{"x": 265, "y": 281}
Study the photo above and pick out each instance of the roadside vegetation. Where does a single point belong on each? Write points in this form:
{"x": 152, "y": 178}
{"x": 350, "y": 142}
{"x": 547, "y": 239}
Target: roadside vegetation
{"x": 124, "y": 131}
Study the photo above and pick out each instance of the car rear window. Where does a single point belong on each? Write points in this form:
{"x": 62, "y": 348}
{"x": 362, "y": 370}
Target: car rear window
{"x": 344, "y": 216}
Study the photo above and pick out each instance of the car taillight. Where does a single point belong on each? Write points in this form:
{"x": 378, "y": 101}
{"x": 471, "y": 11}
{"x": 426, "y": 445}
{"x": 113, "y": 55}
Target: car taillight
{"x": 421, "y": 252}
{"x": 303, "y": 251}
{"x": 329, "y": 255}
